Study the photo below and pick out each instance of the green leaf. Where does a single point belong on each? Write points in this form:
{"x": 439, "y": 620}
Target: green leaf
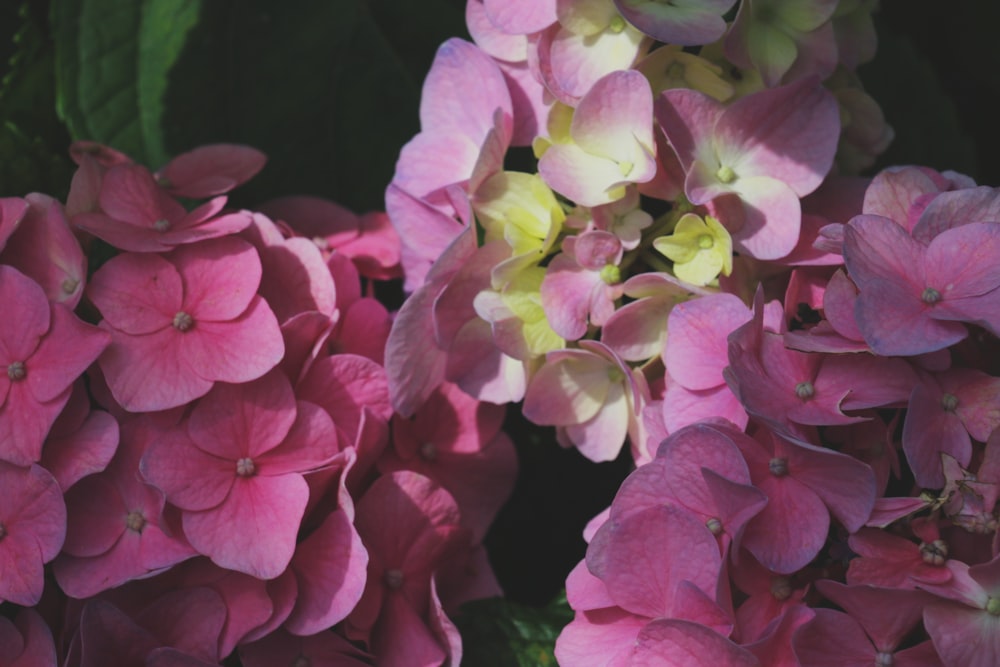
{"x": 112, "y": 60}
{"x": 500, "y": 633}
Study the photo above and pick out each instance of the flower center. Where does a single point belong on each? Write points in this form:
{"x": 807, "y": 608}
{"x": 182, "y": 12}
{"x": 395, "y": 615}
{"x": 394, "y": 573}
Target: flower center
{"x": 949, "y": 402}
{"x": 245, "y": 467}
{"x": 714, "y": 525}
{"x": 993, "y": 606}
{"x": 781, "y": 588}
{"x": 611, "y": 274}
{"x": 930, "y": 296}
{"x": 162, "y": 225}
{"x": 883, "y": 659}
{"x": 393, "y": 579}
{"x": 934, "y": 553}
{"x": 16, "y": 371}
{"x": 778, "y": 467}
{"x": 617, "y": 24}
{"x": 805, "y": 390}
{"x": 705, "y": 241}
{"x": 615, "y": 374}
{"x": 725, "y": 174}
{"x": 69, "y": 285}
{"x": 135, "y": 521}
{"x": 428, "y": 452}
{"x": 182, "y": 321}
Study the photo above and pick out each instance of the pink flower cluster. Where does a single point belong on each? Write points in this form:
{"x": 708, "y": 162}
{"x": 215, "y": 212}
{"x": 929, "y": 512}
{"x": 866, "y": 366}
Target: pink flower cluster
{"x": 214, "y": 465}
{"x": 803, "y": 361}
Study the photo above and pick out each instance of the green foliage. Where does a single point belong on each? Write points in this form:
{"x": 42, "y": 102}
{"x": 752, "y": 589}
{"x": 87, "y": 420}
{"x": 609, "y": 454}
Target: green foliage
{"x": 32, "y": 139}
{"x": 500, "y": 633}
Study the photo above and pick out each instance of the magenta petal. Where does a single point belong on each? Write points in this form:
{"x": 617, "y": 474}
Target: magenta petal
{"x": 311, "y": 442}
{"x": 137, "y": 293}
{"x": 331, "y": 568}
{"x": 684, "y": 22}
{"x": 632, "y": 558}
{"x": 792, "y": 527}
{"x": 896, "y": 322}
{"x": 64, "y": 354}
{"x": 878, "y": 248}
{"x": 687, "y": 644}
{"x": 220, "y": 277}
{"x": 24, "y": 423}
{"x": 962, "y": 262}
{"x": 598, "y": 638}
{"x": 190, "y": 478}
{"x": 254, "y": 529}
{"x": 833, "y": 639}
{"x": 688, "y": 118}
{"x": 210, "y": 170}
{"x": 402, "y": 638}
{"x": 19, "y": 335}
{"x": 85, "y": 451}
{"x": 240, "y": 350}
{"x": 248, "y": 419}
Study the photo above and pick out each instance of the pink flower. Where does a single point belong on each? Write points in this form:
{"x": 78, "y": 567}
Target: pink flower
{"x": 235, "y": 469}
{"x": 137, "y": 215}
{"x": 116, "y": 524}
{"x": 398, "y": 609}
{"x": 768, "y": 149}
{"x": 184, "y": 321}
{"x": 612, "y": 142}
{"x": 32, "y": 529}
{"x": 965, "y": 630}
{"x": 914, "y": 297}
{"x": 43, "y": 349}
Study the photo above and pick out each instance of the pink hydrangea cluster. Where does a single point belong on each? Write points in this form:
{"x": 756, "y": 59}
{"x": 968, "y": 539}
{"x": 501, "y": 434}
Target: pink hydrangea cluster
{"x": 198, "y": 454}
{"x": 803, "y": 361}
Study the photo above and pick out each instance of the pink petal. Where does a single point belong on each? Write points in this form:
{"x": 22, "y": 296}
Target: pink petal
{"x": 64, "y": 354}
{"x": 250, "y": 419}
{"x": 687, "y": 644}
{"x": 210, "y": 170}
{"x": 519, "y": 17}
{"x": 129, "y": 194}
{"x": 190, "y": 478}
{"x": 220, "y": 277}
{"x": 253, "y": 530}
{"x": 792, "y": 527}
{"x": 137, "y": 294}
{"x": 696, "y": 350}
{"x": 331, "y": 568}
{"x": 787, "y": 133}
{"x": 598, "y": 638}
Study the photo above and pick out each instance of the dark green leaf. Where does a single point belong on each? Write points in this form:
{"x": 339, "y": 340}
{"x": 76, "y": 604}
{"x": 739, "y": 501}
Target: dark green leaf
{"x": 500, "y": 633}
{"x": 112, "y": 62}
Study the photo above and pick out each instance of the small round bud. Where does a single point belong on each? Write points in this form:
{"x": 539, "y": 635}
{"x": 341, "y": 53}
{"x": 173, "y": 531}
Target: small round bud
{"x": 182, "y": 321}
{"x": 617, "y": 24}
{"x": 428, "y": 452}
{"x": 725, "y": 174}
{"x": 993, "y": 606}
{"x": 781, "y": 588}
{"x": 805, "y": 390}
{"x": 69, "y": 285}
{"x": 135, "y": 521}
{"x": 883, "y": 659}
{"x": 611, "y": 274}
{"x": 16, "y": 371}
{"x": 935, "y": 553}
{"x": 714, "y": 526}
{"x": 949, "y": 402}
{"x": 245, "y": 467}
{"x": 705, "y": 241}
{"x": 930, "y": 296}
{"x": 393, "y": 579}
{"x": 778, "y": 467}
